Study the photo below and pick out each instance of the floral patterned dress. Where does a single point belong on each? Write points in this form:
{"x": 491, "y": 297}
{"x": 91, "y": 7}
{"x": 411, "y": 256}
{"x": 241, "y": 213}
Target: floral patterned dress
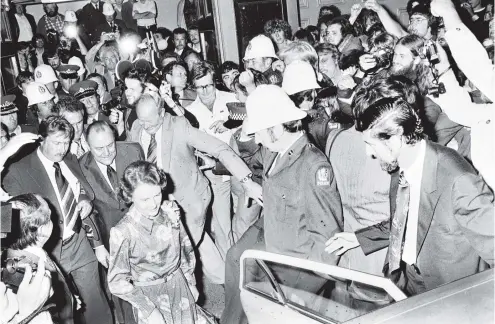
{"x": 152, "y": 265}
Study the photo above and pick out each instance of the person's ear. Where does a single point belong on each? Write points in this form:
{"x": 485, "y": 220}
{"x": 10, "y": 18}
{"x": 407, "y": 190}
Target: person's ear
{"x": 168, "y": 77}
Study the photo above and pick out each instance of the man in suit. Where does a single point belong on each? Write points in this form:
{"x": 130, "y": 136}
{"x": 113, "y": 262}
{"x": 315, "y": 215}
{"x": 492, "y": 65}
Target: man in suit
{"x": 54, "y": 173}
{"x": 171, "y": 143}
{"x": 180, "y": 42}
{"x": 111, "y": 24}
{"x": 91, "y": 17}
{"x": 73, "y": 111}
{"x": 442, "y": 224}
{"x": 102, "y": 167}
{"x": 22, "y": 23}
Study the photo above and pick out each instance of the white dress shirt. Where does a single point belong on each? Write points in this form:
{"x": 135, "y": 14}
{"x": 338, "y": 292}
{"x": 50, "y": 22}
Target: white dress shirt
{"x": 103, "y": 169}
{"x": 145, "y": 143}
{"x": 71, "y": 179}
{"x": 148, "y": 6}
{"x": 413, "y": 175}
{"x": 25, "y": 32}
{"x": 207, "y": 117}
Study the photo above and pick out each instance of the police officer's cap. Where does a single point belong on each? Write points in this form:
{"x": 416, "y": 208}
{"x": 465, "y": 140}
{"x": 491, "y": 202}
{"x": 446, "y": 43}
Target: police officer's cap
{"x": 68, "y": 71}
{"x": 8, "y": 107}
{"x": 83, "y": 89}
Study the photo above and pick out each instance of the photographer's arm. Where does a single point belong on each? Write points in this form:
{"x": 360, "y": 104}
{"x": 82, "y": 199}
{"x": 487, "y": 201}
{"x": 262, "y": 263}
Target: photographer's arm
{"x": 391, "y": 26}
{"x": 91, "y": 55}
{"x": 82, "y": 47}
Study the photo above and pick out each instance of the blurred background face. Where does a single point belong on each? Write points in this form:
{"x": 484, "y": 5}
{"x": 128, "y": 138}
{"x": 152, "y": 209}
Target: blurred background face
{"x": 205, "y": 87}
{"x": 67, "y": 83}
{"x": 258, "y": 64}
{"x": 323, "y": 31}
{"x": 40, "y": 43}
{"x": 76, "y": 120}
{"x": 418, "y": 25}
{"x": 147, "y": 199}
{"x": 100, "y": 90}
{"x": 102, "y": 146}
{"x": 55, "y": 146}
{"x": 10, "y": 121}
{"x": 180, "y": 41}
{"x": 334, "y": 34}
{"x": 327, "y": 65}
{"x": 54, "y": 62}
{"x": 19, "y": 9}
{"x": 4, "y": 138}
{"x": 91, "y": 104}
{"x": 46, "y": 108}
{"x": 134, "y": 90}
{"x": 178, "y": 78}
{"x": 278, "y": 36}
{"x": 109, "y": 59}
{"x": 403, "y": 60}
{"x": 51, "y": 9}
{"x": 194, "y": 36}
{"x": 192, "y": 59}
{"x": 228, "y": 77}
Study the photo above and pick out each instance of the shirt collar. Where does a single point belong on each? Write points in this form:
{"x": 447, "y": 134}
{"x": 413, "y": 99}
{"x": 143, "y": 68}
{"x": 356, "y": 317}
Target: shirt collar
{"x": 414, "y": 172}
{"x": 17, "y": 130}
{"x": 145, "y": 222}
{"x": 281, "y": 153}
{"x": 48, "y": 164}
{"x": 103, "y": 167}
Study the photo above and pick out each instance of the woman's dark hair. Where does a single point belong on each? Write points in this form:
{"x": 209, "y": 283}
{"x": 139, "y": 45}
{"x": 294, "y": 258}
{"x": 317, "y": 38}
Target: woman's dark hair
{"x": 34, "y": 213}
{"x": 137, "y": 173}
{"x": 350, "y": 59}
{"x": 24, "y": 76}
{"x": 293, "y": 126}
{"x": 259, "y": 78}
{"x": 364, "y": 21}
{"x": 227, "y": 66}
{"x": 374, "y": 31}
{"x": 345, "y": 26}
{"x": 334, "y": 11}
{"x": 299, "y": 97}
{"x": 304, "y": 35}
{"x": 324, "y": 20}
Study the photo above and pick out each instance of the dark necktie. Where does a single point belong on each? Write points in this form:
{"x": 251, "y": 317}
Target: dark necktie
{"x": 66, "y": 195}
{"x": 112, "y": 176}
{"x": 398, "y": 225}
{"x": 151, "y": 156}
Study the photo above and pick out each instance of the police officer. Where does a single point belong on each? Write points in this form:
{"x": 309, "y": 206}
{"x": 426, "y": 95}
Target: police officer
{"x": 259, "y": 55}
{"x": 67, "y": 75}
{"x": 45, "y": 74}
{"x": 86, "y": 92}
{"x": 40, "y": 102}
{"x": 8, "y": 112}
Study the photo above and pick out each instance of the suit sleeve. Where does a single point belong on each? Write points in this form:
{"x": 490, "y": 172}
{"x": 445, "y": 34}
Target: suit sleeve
{"x": 206, "y": 143}
{"x": 324, "y": 208}
{"x": 10, "y": 182}
{"x": 374, "y": 238}
{"x": 474, "y": 211}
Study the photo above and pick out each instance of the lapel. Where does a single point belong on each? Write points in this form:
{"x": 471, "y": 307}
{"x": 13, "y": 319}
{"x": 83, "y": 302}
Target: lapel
{"x": 167, "y": 139}
{"x": 39, "y": 175}
{"x": 71, "y": 162}
{"x": 429, "y": 195}
{"x": 95, "y": 171}
{"x": 290, "y": 155}
{"x": 270, "y": 159}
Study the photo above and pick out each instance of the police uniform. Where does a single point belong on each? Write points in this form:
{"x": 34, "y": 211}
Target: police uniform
{"x": 84, "y": 89}
{"x": 9, "y": 107}
{"x": 66, "y": 72}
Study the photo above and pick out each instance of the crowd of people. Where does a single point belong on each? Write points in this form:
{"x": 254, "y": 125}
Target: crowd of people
{"x": 137, "y": 168}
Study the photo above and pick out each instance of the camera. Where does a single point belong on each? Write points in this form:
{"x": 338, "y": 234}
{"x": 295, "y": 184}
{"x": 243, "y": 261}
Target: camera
{"x": 13, "y": 270}
{"x": 383, "y": 58}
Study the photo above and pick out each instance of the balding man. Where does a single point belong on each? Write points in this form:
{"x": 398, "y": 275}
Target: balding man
{"x": 103, "y": 166}
{"x": 175, "y": 154}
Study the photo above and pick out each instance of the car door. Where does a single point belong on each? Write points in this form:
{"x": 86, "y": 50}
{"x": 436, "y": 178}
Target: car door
{"x": 267, "y": 299}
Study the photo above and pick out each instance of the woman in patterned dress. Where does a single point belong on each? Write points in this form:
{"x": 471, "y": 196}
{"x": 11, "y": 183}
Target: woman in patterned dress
{"x": 151, "y": 258}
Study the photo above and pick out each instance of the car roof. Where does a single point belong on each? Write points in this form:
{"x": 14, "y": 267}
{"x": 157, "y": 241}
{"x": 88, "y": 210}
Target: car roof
{"x": 467, "y": 300}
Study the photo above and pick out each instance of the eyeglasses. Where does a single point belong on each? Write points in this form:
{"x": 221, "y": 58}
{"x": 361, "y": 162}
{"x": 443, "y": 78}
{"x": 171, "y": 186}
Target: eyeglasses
{"x": 416, "y": 20}
{"x": 205, "y": 87}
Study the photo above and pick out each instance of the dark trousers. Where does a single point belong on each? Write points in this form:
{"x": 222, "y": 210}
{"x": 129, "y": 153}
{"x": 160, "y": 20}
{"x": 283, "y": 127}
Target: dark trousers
{"x": 233, "y": 312}
{"x": 78, "y": 261}
{"x": 142, "y": 30}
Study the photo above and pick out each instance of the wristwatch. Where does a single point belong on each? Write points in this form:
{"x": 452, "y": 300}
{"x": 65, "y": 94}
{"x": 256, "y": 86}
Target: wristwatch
{"x": 246, "y": 178}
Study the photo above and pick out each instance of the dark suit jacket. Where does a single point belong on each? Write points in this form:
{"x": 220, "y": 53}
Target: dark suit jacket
{"x": 105, "y": 28}
{"x": 91, "y": 18}
{"x": 179, "y": 142}
{"x": 130, "y": 22}
{"x": 15, "y": 25}
{"x": 110, "y": 208}
{"x": 29, "y": 176}
{"x": 455, "y": 220}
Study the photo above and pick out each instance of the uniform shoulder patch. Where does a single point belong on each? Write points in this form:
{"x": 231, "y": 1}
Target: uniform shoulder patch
{"x": 323, "y": 176}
